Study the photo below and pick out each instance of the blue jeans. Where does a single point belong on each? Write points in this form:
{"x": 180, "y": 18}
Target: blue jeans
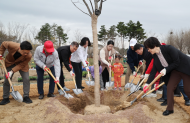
{"x": 180, "y": 85}
{"x": 40, "y": 80}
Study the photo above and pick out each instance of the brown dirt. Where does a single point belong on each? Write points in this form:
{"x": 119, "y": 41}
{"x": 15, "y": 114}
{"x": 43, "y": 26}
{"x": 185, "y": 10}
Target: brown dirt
{"x": 60, "y": 109}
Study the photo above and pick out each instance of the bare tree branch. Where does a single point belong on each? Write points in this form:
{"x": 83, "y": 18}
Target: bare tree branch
{"x": 91, "y": 6}
{"x": 96, "y": 4}
{"x": 87, "y": 7}
{"x": 100, "y": 7}
{"x": 80, "y": 9}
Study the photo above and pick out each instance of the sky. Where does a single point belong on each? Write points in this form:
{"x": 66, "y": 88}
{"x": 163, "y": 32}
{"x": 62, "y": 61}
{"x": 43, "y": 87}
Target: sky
{"x": 157, "y": 17}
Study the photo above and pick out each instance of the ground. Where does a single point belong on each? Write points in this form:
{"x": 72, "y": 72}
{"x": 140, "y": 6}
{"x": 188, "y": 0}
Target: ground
{"x": 61, "y": 110}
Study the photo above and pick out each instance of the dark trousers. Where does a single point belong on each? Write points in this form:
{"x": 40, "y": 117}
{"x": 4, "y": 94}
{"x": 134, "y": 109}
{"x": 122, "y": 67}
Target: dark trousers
{"x": 181, "y": 89}
{"x": 40, "y": 80}
{"x": 105, "y": 76}
{"x": 61, "y": 79}
{"x": 175, "y": 78}
{"x": 78, "y": 73}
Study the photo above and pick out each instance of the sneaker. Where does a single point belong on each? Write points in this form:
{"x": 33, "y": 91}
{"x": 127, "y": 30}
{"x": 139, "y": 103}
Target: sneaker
{"x": 41, "y": 96}
{"x": 5, "y": 101}
{"x": 115, "y": 88}
{"x": 50, "y": 95}
{"x": 151, "y": 95}
{"x": 66, "y": 89}
{"x": 159, "y": 92}
{"x": 120, "y": 88}
{"x": 164, "y": 103}
{"x": 60, "y": 92}
{"x": 27, "y": 100}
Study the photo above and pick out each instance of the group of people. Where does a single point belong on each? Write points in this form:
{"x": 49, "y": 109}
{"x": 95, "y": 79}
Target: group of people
{"x": 45, "y": 57}
{"x": 160, "y": 59}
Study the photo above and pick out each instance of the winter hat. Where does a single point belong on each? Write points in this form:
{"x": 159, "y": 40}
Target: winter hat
{"x": 133, "y": 42}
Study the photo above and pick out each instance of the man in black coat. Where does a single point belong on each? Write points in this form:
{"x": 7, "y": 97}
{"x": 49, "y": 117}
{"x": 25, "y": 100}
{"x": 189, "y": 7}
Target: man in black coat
{"x": 64, "y": 56}
{"x": 173, "y": 64}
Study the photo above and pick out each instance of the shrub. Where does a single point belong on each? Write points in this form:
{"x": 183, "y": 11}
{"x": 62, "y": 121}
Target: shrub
{"x": 84, "y": 73}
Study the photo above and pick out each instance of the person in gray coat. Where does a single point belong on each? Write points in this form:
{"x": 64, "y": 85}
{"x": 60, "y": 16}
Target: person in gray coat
{"x": 46, "y": 56}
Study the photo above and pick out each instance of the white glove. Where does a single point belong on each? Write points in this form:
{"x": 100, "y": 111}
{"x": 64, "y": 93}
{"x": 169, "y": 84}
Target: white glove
{"x": 87, "y": 68}
{"x": 44, "y": 66}
{"x": 109, "y": 65}
{"x": 145, "y": 89}
{"x": 9, "y": 74}
{"x": 1, "y": 57}
{"x": 146, "y": 76}
{"x": 71, "y": 73}
{"x": 140, "y": 62}
{"x": 57, "y": 80}
{"x": 134, "y": 73}
{"x": 142, "y": 76}
{"x": 163, "y": 72}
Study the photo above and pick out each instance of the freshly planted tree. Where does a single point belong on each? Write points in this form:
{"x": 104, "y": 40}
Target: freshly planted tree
{"x": 94, "y": 14}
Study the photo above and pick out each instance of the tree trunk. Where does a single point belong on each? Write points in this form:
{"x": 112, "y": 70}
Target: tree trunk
{"x": 95, "y": 60}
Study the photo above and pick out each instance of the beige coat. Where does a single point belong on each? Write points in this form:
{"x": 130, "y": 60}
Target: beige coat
{"x": 21, "y": 63}
{"x": 104, "y": 65}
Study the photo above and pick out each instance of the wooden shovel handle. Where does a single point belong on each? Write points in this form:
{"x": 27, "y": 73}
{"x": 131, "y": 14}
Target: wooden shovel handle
{"x": 50, "y": 73}
{"x": 141, "y": 82}
{"x": 137, "y": 70}
{"x": 154, "y": 88}
{"x": 150, "y": 85}
{"x": 2, "y": 62}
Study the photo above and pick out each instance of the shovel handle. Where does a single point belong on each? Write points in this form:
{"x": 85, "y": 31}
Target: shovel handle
{"x": 50, "y": 73}
{"x": 142, "y": 82}
{"x": 2, "y": 62}
{"x": 154, "y": 88}
{"x": 155, "y": 79}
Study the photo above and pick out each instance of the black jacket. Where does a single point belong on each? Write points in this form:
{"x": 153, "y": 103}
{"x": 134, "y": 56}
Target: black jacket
{"x": 64, "y": 54}
{"x": 176, "y": 61}
{"x": 147, "y": 57}
{"x": 133, "y": 58}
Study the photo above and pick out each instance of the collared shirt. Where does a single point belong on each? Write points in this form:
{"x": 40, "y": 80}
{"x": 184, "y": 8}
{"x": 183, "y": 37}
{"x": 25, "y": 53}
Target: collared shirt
{"x": 162, "y": 59}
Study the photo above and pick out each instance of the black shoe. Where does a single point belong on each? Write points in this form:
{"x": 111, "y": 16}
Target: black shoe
{"x": 166, "y": 112}
{"x": 161, "y": 100}
{"x": 50, "y": 95}
{"x": 5, "y": 101}
{"x": 27, "y": 100}
{"x": 82, "y": 87}
{"x": 177, "y": 95}
{"x": 187, "y": 102}
{"x": 164, "y": 103}
{"x": 41, "y": 96}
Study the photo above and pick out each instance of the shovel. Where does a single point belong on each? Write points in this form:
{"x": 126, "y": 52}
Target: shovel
{"x": 110, "y": 83}
{"x": 65, "y": 94}
{"x": 152, "y": 90}
{"x": 76, "y": 91}
{"x": 89, "y": 83}
{"x": 15, "y": 94}
{"x": 135, "y": 88}
{"x": 129, "y": 85}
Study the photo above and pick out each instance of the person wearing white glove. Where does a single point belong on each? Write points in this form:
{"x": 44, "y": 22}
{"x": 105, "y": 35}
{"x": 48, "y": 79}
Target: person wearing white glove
{"x": 17, "y": 59}
{"x": 46, "y": 58}
{"x": 71, "y": 73}
{"x": 78, "y": 58}
{"x": 141, "y": 76}
{"x": 134, "y": 73}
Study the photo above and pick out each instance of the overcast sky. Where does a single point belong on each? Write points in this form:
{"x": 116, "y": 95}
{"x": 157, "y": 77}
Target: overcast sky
{"x": 157, "y": 17}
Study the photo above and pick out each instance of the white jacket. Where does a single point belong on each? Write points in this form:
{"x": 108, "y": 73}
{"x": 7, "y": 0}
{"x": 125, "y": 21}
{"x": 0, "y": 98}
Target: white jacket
{"x": 51, "y": 60}
{"x": 80, "y": 55}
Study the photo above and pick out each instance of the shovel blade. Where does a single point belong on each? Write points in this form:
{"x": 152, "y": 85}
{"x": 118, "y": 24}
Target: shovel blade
{"x": 77, "y": 91}
{"x": 134, "y": 88}
{"x": 68, "y": 96}
{"x": 90, "y": 83}
{"x": 109, "y": 84}
{"x": 17, "y": 96}
{"x": 129, "y": 85}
